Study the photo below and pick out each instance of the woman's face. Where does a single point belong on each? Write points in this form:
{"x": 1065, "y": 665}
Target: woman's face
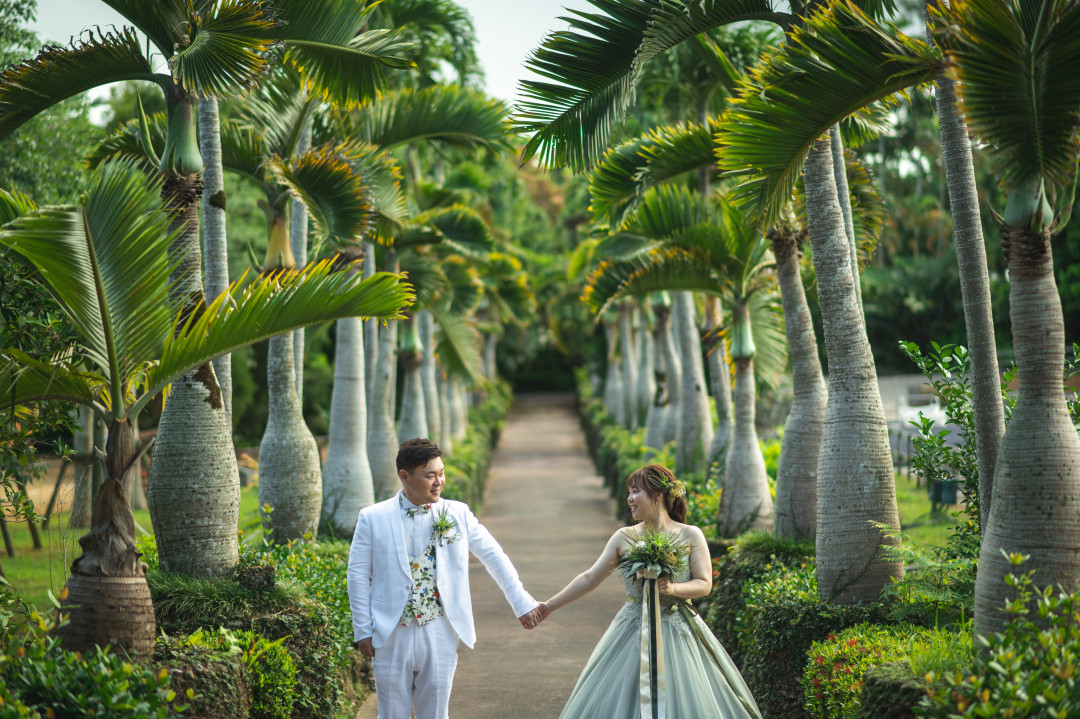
{"x": 642, "y": 504}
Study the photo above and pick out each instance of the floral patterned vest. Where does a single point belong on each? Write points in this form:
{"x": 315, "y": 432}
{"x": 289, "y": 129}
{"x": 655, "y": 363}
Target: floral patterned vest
{"x": 424, "y": 604}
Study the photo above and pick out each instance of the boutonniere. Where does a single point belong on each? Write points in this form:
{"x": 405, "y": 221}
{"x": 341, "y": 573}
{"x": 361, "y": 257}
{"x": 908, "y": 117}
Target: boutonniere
{"x": 445, "y": 529}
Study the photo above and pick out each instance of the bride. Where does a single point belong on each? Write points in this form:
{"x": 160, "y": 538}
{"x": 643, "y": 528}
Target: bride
{"x": 642, "y": 667}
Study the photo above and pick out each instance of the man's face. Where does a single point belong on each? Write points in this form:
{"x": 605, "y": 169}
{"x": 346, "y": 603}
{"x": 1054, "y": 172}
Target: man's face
{"x": 424, "y": 484}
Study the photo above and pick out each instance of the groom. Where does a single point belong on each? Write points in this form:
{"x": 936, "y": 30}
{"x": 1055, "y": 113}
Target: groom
{"x": 408, "y": 584}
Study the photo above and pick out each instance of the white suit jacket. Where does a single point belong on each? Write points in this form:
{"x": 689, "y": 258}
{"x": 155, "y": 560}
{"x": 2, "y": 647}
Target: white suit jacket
{"x": 379, "y": 578}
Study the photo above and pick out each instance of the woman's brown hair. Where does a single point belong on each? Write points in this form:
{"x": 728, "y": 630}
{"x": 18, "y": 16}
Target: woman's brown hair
{"x": 658, "y": 479}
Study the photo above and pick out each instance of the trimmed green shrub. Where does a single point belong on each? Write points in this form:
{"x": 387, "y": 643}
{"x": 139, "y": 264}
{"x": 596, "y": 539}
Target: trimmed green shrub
{"x": 271, "y": 671}
{"x": 1028, "y": 670}
{"x": 39, "y": 678}
{"x": 214, "y": 684}
{"x": 833, "y": 680}
{"x": 890, "y": 691}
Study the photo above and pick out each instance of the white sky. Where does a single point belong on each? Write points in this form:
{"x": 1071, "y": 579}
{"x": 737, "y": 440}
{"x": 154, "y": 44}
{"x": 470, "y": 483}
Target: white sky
{"x": 507, "y": 30}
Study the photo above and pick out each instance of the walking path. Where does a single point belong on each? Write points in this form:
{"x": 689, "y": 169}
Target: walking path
{"x": 551, "y": 513}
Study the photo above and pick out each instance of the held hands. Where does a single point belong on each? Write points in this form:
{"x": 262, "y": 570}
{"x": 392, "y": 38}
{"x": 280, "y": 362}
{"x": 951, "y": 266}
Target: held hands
{"x": 530, "y": 619}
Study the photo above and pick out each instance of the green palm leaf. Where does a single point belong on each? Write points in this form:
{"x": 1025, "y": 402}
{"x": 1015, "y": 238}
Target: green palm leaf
{"x": 770, "y": 341}
{"x": 13, "y": 205}
{"x": 243, "y": 151}
{"x": 162, "y": 21}
{"x": 426, "y": 277}
{"x": 838, "y": 63}
{"x": 448, "y": 114}
{"x": 335, "y": 192}
{"x": 440, "y": 31}
{"x": 384, "y": 174}
{"x": 225, "y": 48}
{"x": 662, "y": 269}
{"x": 326, "y": 45}
{"x": 125, "y": 142}
{"x": 106, "y": 266}
{"x": 465, "y": 284}
{"x": 276, "y": 302}
{"x": 663, "y": 154}
{"x": 457, "y": 345}
{"x": 676, "y": 21}
{"x": 57, "y": 73}
{"x": 462, "y": 228}
{"x": 1016, "y": 69}
{"x": 622, "y": 246}
{"x": 24, "y": 380}
{"x": 867, "y": 207}
{"x": 589, "y": 71}
{"x": 669, "y": 209}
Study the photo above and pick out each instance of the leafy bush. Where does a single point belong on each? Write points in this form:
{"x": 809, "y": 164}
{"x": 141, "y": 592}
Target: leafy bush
{"x": 1028, "y": 670}
{"x": 781, "y": 617}
{"x": 271, "y": 675}
{"x": 938, "y": 582}
{"x": 832, "y": 682}
{"x": 753, "y": 554}
{"x": 39, "y": 678}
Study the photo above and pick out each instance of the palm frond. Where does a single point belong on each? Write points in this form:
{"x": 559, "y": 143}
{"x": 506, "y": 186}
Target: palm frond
{"x": 274, "y": 303}
{"x": 383, "y": 173}
{"x": 57, "y": 73}
{"x": 867, "y": 207}
{"x": 24, "y": 380}
{"x": 162, "y": 21}
{"x": 463, "y": 229}
{"x": 125, "y": 142}
{"x": 279, "y": 112}
{"x": 663, "y": 269}
{"x": 838, "y": 63}
{"x": 225, "y": 49}
{"x": 664, "y": 153}
{"x": 465, "y": 285}
{"x": 243, "y": 151}
{"x": 447, "y": 114}
{"x": 13, "y": 205}
{"x": 106, "y": 264}
{"x": 668, "y": 209}
{"x": 623, "y": 245}
{"x": 770, "y": 342}
{"x": 326, "y": 43}
{"x": 426, "y": 276}
{"x": 1017, "y": 83}
{"x": 676, "y": 21}
{"x": 336, "y": 194}
{"x": 589, "y": 82}
{"x": 457, "y": 345}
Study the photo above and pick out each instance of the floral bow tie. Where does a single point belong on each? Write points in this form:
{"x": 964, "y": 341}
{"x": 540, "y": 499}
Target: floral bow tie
{"x": 423, "y": 508}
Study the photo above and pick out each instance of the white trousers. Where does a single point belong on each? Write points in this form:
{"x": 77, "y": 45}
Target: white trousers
{"x": 414, "y": 669}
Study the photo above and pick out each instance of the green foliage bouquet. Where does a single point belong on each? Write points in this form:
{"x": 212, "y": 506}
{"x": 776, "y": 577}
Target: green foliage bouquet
{"x": 654, "y": 551}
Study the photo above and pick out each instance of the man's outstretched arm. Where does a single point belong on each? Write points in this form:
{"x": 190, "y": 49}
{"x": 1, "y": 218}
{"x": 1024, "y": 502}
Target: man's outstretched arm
{"x": 358, "y": 579}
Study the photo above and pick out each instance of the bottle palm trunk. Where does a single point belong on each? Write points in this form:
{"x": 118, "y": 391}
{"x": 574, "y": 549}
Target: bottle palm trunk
{"x": 346, "y": 475}
{"x": 720, "y": 379}
{"x": 855, "y": 473}
{"x": 672, "y": 371}
{"x": 695, "y": 417}
{"x": 800, "y": 448}
{"x": 988, "y": 409}
{"x": 746, "y": 503}
{"x": 1038, "y": 469}
{"x": 413, "y": 412}
{"x": 194, "y": 489}
{"x": 382, "y": 444}
{"x": 428, "y": 373}
{"x": 446, "y": 417}
{"x": 290, "y": 477}
{"x": 613, "y": 392}
{"x": 628, "y": 358}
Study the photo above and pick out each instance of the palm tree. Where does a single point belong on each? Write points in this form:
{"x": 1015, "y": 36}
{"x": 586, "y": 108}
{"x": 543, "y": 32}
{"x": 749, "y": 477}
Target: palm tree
{"x": 717, "y": 252}
{"x": 107, "y": 264}
{"x": 1000, "y": 55}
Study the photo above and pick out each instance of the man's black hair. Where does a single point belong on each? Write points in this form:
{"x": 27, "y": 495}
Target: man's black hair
{"x": 416, "y": 452}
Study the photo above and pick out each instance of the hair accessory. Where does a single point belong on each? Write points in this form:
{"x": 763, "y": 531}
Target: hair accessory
{"x": 673, "y": 487}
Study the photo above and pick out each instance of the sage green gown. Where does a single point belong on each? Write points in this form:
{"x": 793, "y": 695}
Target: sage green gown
{"x": 701, "y": 680}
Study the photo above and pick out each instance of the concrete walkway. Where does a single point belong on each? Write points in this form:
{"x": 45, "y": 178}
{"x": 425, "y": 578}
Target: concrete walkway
{"x": 549, "y": 510}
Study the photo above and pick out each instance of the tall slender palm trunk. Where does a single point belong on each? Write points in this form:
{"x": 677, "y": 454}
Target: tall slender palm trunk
{"x": 428, "y": 372}
{"x": 613, "y": 392}
{"x": 298, "y": 241}
{"x": 855, "y": 474}
{"x": 290, "y": 477}
{"x": 371, "y": 331}
{"x": 215, "y": 244}
{"x": 988, "y": 409}
{"x": 720, "y": 379}
{"x": 628, "y": 357}
{"x": 695, "y": 417}
{"x": 346, "y": 475}
{"x": 491, "y": 343}
{"x": 800, "y": 448}
{"x": 672, "y": 373}
{"x": 446, "y": 417}
{"x": 382, "y": 444}
{"x": 1037, "y": 480}
{"x": 648, "y": 389}
{"x": 413, "y": 411}
{"x": 459, "y": 399}
{"x": 194, "y": 490}
{"x": 746, "y": 502}
{"x": 843, "y": 194}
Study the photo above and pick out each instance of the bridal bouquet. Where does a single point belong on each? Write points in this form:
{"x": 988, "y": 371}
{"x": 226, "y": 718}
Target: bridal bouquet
{"x": 653, "y": 551}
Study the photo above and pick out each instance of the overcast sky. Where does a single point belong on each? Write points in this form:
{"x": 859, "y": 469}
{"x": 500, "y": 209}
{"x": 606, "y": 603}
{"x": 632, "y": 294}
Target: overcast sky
{"x": 507, "y": 30}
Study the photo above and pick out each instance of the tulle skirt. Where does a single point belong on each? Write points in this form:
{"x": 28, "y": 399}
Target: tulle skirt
{"x": 701, "y": 680}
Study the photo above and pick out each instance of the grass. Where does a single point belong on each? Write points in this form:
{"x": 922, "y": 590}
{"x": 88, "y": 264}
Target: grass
{"x": 917, "y": 522}
{"x": 35, "y": 572}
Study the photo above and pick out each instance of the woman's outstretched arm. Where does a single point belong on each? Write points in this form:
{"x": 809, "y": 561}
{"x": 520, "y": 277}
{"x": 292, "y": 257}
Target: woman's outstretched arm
{"x": 588, "y": 580}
